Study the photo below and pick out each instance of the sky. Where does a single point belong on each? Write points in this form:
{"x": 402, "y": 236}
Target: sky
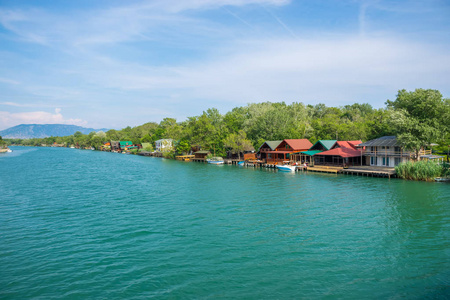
{"x": 112, "y": 64}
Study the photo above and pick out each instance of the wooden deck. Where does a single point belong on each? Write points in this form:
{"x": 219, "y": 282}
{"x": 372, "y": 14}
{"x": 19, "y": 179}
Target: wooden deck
{"x": 324, "y": 169}
{"x": 370, "y": 171}
{"x": 185, "y": 157}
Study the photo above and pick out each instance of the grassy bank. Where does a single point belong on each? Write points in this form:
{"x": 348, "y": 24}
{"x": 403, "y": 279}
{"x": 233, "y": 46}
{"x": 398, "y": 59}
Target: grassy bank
{"x": 421, "y": 170}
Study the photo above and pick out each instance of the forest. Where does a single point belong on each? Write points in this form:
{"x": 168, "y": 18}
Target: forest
{"x": 418, "y": 118}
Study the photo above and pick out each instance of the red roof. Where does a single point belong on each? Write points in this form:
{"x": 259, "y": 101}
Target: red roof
{"x": 342, "y": 152}
{"x": 298, "y": 144}
{"x": 348, "y": 144}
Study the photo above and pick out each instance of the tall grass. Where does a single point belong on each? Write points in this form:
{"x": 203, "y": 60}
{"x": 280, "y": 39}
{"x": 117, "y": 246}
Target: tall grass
{"x": 420, "y": 170}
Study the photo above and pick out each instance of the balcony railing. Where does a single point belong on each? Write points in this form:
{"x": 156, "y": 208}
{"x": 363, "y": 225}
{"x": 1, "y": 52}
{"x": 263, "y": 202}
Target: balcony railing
{"x": 396, "y": 153}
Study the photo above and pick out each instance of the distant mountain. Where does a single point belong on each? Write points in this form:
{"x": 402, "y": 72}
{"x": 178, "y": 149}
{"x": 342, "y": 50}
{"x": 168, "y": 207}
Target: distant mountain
{"x": 29, "y": 131}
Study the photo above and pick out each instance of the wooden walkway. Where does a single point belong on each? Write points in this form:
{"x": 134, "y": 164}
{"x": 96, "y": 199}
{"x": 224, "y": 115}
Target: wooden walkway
{"x": 370, "y": 171}
{"x": 324, "y": 169}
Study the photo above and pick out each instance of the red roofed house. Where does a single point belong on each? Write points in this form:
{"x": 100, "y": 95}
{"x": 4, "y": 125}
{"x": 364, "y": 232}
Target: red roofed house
{"x": 343, "y": 154}
{"x": 284, "y": 150}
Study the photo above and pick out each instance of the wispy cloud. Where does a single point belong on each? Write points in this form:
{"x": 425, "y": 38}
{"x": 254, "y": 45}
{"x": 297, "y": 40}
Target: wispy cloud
{"x": 9, "y": 81}
{"x": 166, "y": 57}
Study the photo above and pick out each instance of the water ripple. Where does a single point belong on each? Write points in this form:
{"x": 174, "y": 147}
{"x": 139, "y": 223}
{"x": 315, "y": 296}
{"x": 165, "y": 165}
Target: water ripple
{"x": 85, "y": 224}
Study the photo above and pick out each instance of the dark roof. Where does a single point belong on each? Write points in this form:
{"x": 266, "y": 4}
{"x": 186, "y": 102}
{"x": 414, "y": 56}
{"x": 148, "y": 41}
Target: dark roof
{"x": 202, "y": 152}
{"x": 382, "y": 141}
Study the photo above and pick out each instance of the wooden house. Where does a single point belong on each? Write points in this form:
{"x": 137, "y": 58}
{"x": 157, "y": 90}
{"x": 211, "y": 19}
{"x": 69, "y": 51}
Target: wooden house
{"x": 342, "y": 154}
{"x": 265, "y": 148}
{"x": 200, "y": 156}
{"x": 125, "y": 144}
{"x": 307, "y": 156}
{"x": 245, "y": 154}
{"x": 285, "y": 149}
{"x": 386, "y": 152}
{"x": 115, "y": 146}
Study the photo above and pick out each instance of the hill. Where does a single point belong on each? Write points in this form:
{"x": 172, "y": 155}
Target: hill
{"x": 29, "y": 131}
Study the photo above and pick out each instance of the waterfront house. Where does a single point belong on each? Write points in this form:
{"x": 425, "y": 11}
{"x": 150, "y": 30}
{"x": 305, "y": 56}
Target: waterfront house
{"x": 115, "y": 146}
{"x": 164, "y": 145}
{"x": 266, "y": 147}
{"x": 125, "y": 144}
{"x": 307, "y": 156}
{"x": 386, "y": 152}
{"x": 200, "y": 156}
{"x": 106, "y": 146}
{"x": 244, "y": 154}
{"x": 341, "y": 154}
{"x": 285, "y": 149}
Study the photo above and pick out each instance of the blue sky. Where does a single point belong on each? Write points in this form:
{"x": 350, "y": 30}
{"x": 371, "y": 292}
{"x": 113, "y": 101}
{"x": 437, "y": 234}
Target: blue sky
{"x": 112, "y": 64}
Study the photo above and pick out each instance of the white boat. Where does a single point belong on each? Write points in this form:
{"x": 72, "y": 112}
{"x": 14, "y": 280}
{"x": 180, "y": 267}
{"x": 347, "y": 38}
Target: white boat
{"x": 286, "y": 168}
{"x": 215, "y": 161}
{"x": 9, "y": 150}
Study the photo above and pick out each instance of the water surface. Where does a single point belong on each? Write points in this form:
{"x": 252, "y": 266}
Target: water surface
{"x": 88, "y": 224}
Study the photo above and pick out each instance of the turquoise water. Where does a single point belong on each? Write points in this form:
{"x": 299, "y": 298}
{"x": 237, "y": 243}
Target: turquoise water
{"x": 86, "y": 224}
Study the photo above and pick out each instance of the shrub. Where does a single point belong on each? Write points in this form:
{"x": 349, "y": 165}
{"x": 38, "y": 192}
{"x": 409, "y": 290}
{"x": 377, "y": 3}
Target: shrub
{"x": 420, "y": 170}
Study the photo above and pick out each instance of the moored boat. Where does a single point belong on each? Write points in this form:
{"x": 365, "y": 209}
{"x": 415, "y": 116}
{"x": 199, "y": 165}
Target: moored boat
{"x": 5, "y": 150}
{"x": 215, "y": 160}
{"x": 286, "y": 168}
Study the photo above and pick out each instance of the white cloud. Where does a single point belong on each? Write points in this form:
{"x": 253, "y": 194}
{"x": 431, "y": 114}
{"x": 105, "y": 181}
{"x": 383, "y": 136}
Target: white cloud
{"x": 8, "y": 119}
{"x": 290, "y": 70}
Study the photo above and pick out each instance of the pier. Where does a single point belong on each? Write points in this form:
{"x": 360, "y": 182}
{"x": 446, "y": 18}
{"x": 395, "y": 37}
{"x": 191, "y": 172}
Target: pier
{"x": 370, "y": 171}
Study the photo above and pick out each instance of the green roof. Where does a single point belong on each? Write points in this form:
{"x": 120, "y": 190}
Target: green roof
{"x": 126, "y": 143}
{"x": 310, "y": 152}
{"x": 272, "y": 144}
{"x": 326, "y": 143}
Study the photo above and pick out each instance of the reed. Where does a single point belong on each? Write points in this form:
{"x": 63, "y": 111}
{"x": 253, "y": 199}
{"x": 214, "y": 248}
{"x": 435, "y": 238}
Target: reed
{"x": 420, "y": 170}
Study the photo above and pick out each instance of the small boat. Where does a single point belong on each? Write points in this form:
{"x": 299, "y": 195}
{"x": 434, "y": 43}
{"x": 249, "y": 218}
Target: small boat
{"x": 215, "y": 160}
{"x": 241, "y": 163}
{"x": 286, "y": 168}
{"x": 4, "y": 150}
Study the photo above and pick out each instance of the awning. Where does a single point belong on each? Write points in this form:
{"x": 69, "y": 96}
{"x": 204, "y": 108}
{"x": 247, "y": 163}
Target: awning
{"x": 309, "y": 152}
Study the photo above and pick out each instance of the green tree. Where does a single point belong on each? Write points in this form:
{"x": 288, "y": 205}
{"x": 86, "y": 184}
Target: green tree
{"x": 183, "y": 147}
{"x": 238, "y": 143}
{"x": 419, "y": 118}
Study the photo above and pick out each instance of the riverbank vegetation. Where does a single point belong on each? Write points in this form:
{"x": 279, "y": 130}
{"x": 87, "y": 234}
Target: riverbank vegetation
{"x": 418, "y": 118}
{"x": 422, "y": 170}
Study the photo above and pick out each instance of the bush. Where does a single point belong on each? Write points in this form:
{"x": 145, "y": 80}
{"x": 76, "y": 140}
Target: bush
{"x": 420, "y": 170}
{"x": 169, "y": 154}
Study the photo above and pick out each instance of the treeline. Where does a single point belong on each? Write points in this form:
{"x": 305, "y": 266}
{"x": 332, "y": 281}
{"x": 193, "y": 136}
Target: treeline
{"x": 418, "y": 118}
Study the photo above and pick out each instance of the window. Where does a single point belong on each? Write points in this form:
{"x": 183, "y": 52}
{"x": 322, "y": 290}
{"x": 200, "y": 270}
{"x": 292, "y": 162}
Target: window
{"x": 396, "y": 161}
{"x": 387, "y": 161}
{"x": 384, "y": 161}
